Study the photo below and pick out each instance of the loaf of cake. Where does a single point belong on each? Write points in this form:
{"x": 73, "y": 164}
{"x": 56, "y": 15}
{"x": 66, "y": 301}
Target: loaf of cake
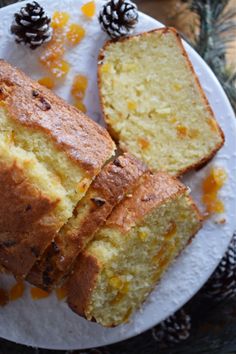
{"x": 49, "y": 155}
{"x": 130, "y": 253}
{"x": 115, "y": 180}
{"x": 153, "y": 103}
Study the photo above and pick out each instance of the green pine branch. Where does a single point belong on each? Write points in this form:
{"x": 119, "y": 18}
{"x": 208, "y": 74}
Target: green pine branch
{"x": 217, "y": 29}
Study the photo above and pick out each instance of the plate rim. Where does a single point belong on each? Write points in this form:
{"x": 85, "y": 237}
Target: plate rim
{"x": 227, "y": 104}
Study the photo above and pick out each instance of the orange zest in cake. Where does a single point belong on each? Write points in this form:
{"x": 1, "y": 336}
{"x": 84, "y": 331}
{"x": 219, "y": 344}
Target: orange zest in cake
{"x": 143, "y": 143}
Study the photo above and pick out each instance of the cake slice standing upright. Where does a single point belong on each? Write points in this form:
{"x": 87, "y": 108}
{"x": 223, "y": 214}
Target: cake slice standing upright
{"x": 153, "y": 103}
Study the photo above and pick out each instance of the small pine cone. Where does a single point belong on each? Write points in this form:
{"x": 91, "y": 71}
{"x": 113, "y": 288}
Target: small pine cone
{"x": 118, "y": 17}
{"x": 222, "y": 284}
{"x": 174, "y": 329}
{"x": 31, "y": 26}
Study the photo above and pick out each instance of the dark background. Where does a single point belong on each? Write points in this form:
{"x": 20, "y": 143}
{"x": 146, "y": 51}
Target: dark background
{"x": 213, "y": 322}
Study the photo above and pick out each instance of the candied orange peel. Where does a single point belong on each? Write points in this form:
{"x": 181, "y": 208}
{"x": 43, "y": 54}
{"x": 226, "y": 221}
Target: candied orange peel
{"x": 55, "y": 49}
{"x": 38, "y": 294}
{"x": 80, "y": 106}
{"x": 47, "y": 82}
{"x": 211, "y": 186}
{"x": 61, "y": 293}
{"x": 79, "y": 87}
{"x": 143, "y": 143}
{"x": 17, "y": 291}
{"x": 89, "y": 9}
{"x": 75, "y": 34}
{"x": 59, "y": 68}
{"x": 60, "y": 19}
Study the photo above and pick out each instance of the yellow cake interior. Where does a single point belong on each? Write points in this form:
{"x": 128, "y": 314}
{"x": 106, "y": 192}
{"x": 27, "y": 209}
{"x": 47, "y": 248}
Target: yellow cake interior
{"x": 131, "y": 263}
{"x": 47, "y": 168}
{"x": 152, "y": 103}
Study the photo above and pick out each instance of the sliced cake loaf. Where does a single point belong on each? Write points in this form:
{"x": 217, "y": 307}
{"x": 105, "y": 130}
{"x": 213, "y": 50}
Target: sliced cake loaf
{"x": 153, "y": 103}
{"x": 116, "y": 179}
{"x": 49, "y": 155}
{"x": 130, "y": 253}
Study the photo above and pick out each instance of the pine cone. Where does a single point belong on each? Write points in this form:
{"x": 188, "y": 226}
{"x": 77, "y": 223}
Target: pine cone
{"x": 222, "y": 284}
{"x": 31, "y": 26}
{"x": 118, "y": 17}
{"x": 174, "y": 329}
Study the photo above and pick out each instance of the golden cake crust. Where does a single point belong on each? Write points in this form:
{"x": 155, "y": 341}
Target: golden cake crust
{"x": 29, "y": 218}
{"x": 114, "y": 134}
{"x": 34, "y": 106}
{"x": 80, "y": 286}
{"x": 110, "y": 186}
{"x": 24, "y": 230}
{"x": 152, "y": 190}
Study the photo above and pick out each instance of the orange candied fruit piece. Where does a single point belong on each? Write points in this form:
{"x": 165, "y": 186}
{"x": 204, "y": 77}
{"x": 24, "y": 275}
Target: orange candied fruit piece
{"x": 214, "y": 181}
{"x": 132, "y": 106}
{"x": 61, "y": 293}
{"x": 182, "y": 130}
{"x": 210, "y": 186}
{"x": 79, "y": 87}
{"x": 54, "y": 50}
{"x": 75, "y": 33}
{"x": 213, "y": 124}
{"x": 60, "y": 19}
{"x": 59, "y": 68}
{"x": 143, "y": 143}
{"x": 89, "y": 9}
{"x": 47, "y": 82}
{"x": 38, "y": 294}
{"x": 17, "y": 291}
{"x": 80, "y": 106}
{"x": 171, "y": 231}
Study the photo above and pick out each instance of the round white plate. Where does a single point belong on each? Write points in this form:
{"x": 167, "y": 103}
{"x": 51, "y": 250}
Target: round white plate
{"x": 51, "y": 324}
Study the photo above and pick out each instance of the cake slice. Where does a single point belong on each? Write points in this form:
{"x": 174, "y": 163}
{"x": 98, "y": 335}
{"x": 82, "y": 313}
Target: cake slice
{"x": 115, "y": 180}
{"x": 49, "y": 155}
{"x": 153, "y": 103}
{"x": 130, "y": 253}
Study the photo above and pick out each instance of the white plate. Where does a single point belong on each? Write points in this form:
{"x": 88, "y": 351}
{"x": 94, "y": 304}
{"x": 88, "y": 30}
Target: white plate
{"x": 50, "y": 324}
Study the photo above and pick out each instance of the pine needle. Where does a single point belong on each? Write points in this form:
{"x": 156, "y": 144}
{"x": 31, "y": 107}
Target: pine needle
{"x": 217, "y": 29}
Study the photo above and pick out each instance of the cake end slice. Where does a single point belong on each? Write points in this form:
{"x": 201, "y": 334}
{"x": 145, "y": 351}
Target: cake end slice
{"x": 153, "y": 103}
{"x": 130, "y": 253}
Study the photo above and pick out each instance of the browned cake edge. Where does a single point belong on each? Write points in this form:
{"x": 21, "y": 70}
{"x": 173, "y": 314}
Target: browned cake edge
{"x": 26, "y": 225}
{"x": 115, "y": 136}
{"x": 34, "y": 106}
{"x": 115, "y": 180}
{"x": 82, "y": 281}
{"x": 23, "y": 233}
